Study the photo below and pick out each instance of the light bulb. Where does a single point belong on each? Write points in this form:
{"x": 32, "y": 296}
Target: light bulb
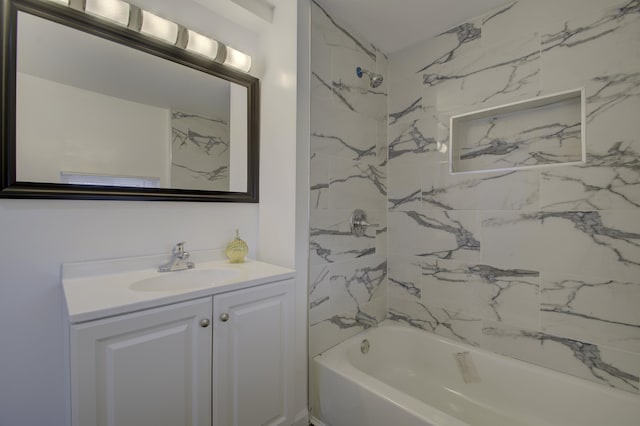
{"x": 112, "y": 10}
{"x": 158, "y": 27}
{"x": 203, "y": 45}
{"x": 237, "y": 59}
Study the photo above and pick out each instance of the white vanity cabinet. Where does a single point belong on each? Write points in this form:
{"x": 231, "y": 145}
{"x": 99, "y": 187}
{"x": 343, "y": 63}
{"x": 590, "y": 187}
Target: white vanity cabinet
{"x": 151, "y": 367}
{"x": 253, "y": 356}
{"x": 221, "y": 360}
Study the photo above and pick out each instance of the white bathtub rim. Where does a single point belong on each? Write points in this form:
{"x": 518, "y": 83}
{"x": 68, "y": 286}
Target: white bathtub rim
{"x": 337, "y": 361}
{"x": 339, "y": 351}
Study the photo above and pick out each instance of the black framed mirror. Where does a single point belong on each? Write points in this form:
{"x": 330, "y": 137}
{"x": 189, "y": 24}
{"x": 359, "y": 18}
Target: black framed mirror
{"x": 97, "y": 110}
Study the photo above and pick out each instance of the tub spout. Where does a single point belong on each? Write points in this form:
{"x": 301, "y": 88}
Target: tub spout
{"x": 366, "y": 320}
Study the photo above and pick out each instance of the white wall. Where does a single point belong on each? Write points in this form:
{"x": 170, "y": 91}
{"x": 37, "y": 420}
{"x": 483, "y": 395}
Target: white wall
{"x": 278, "y": 134}
{"x": 72, "y": 134}
{"x": 277, "y": 231}
{"x": 39, "y": 235}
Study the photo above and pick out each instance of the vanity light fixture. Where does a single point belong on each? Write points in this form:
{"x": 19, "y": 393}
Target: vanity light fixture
{"x": 112, "y": 10}
{"x": 202, "y": 45}
{"x": 155, "y": 26}
{"x": 237, "y": 59}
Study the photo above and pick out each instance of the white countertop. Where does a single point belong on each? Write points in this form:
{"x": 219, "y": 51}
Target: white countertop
{"x": 101, "y": 289}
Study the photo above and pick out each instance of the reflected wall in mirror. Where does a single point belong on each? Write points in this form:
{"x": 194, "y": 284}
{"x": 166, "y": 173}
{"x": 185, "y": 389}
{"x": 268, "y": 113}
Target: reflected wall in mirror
{"x": 104, "y": 112}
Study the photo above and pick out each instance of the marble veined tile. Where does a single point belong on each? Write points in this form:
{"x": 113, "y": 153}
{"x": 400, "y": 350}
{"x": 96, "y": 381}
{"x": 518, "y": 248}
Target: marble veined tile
{"x": 613, "y": 99}
{"x": 599, "y": 364}
{"x": 326, "y": 334}
{"x": 504, "y": 72}
{"x": 592, "y": 309}
{"x": 506, "y": 295}
{"x": 593, "y": 43}
{"x": 442, "y": 127}
{"x": 445, "y": 283}
{"x": 376, "y": 309}
{"x": 612, "y": 105}
{"x": 488, "y": 76}
{"x": 446, "y": 49}
{"x": 508, "y": 190}
{"x": 352, "y": 93}
{"x": 382, "y": 65}
{"x": 319, "y": 181}
{"x": 524, "y": 17}
{"x": 404, "y": 184}
{"x": 382, "y": 145}
{"x": 378, "y": 220}
{"x": 611, "y": 177}
{"x": 416, "y": 138}
{"x": 355, "y": 283}
{"x": 357, "y": 289}
{"x": 443, "y": 322}
{"x": 320, "y": 66}
{"x": 511, "y": 240}
{"x": 357, "y": 184}
{"x": 331, "y": 240}
{"x": 609, "y": 181}
{"x": 404, "y": 277}
{"x": 342, "y": 133}
{"x": 592, "y": 243}
{"x": 449, "y": 99}
{"x": 411, "y": 59}
{"x": 435, "y": 233}
{"x": 336, "y": 33}
{"x": 405, "y": 100}
{"x": 483, "y": 291}
{"x": 319, "y": 293}
{"x": 321, "y": 89}
{"x": 336, "y": 52}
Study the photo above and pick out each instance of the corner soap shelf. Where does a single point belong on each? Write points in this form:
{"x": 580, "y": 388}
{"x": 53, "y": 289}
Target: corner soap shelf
{"x": 540, "y": 132}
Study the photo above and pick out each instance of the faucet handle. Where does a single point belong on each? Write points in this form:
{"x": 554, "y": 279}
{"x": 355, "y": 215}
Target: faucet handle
{"x": 179, "y": 248}
{"x": 358, "y": 223}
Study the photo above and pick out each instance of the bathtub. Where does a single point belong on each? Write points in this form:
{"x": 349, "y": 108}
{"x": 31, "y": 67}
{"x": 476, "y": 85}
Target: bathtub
{"x": 412, "y": 378}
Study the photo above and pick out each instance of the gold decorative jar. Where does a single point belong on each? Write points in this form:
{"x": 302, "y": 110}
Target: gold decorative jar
{"x": 237, "y": 250}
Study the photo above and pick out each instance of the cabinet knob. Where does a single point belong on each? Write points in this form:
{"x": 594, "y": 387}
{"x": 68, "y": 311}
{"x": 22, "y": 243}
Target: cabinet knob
{"x": 224, "y": 317}
{"x": 204, "y": 323}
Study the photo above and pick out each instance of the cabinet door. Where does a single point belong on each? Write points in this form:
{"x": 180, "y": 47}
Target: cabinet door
{"x": 147, "y": 368}
{"x": 252, "y": 356}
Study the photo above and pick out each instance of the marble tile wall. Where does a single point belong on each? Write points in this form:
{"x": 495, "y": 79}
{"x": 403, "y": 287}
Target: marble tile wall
{"x": 542, "y": 264}
{"x": 348, "y": 274}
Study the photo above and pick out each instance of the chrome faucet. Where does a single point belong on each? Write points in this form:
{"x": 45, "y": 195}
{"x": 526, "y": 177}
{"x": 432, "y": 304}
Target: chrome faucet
{"x": 178, "y": 260}
{"x": 366, "y": 320}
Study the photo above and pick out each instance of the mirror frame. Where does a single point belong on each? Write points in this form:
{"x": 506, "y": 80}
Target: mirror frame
{"x": 10, "y": 188}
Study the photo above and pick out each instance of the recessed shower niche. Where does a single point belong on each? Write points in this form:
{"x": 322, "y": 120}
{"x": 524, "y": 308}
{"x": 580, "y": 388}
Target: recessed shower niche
{"x": 543, "y": 131}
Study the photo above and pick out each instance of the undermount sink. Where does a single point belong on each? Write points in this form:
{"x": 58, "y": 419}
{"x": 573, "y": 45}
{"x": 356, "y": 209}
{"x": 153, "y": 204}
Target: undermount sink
{"x": 185, "y": 280}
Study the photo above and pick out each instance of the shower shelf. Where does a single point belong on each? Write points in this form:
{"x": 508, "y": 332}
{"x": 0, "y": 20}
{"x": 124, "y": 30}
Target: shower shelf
{"x": 539, "y": 132}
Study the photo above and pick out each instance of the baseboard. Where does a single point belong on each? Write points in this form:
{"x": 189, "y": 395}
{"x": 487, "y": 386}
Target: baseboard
{"x": 316, "y": 422}
{"x": 302, "y": 418}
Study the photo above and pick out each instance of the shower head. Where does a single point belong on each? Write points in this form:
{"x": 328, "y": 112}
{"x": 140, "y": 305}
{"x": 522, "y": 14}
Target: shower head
{"x": 374, "y": 79}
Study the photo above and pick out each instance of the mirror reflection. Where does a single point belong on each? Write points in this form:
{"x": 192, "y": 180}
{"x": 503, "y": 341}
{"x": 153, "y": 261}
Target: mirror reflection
{"x": 93, "y": 112}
